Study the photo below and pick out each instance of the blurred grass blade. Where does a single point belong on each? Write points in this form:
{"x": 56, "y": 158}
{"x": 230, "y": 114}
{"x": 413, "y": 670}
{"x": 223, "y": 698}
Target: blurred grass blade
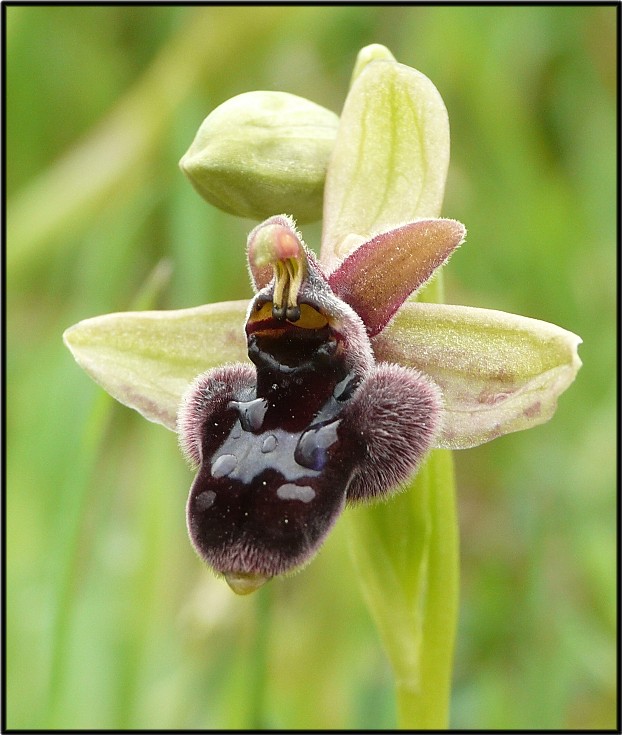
{"x": 75, "y": 547}
{"x": 65, "y": 196}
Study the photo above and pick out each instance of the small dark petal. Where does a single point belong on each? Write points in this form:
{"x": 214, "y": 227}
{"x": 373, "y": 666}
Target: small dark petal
{"x": 378, "y": 276}
{"x": 396, "y": 414}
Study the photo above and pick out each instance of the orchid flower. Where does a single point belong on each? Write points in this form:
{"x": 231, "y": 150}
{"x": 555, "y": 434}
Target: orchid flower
{"x": 334, "y": 382}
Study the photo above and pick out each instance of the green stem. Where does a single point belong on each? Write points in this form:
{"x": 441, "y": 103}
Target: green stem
{"x": 427, "y": 705}
{"x": 406, "y": 553}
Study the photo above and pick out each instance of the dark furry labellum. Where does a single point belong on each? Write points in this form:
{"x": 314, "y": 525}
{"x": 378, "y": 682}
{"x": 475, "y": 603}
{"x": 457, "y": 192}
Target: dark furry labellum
{"x": 282, "y": 444}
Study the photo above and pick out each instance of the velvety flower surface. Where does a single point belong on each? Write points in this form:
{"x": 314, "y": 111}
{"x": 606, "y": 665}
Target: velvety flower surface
{"x": 332, "y": 383}
{"x": 317, "y": 421}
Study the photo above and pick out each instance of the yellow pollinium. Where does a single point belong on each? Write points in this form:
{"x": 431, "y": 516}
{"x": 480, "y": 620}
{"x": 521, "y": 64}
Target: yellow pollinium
{"x": 289, "y": 273}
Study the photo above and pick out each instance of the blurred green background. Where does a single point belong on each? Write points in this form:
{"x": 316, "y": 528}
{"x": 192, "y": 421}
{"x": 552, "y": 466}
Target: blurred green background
{"x": 112, "y": 621}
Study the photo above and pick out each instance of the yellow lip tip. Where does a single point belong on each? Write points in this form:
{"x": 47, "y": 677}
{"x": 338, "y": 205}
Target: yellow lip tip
{"x": 244, "y": 584}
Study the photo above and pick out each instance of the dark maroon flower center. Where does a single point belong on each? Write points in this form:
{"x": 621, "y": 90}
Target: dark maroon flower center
{"x": 313, "y": 422}
{"x": 275, "y": 464}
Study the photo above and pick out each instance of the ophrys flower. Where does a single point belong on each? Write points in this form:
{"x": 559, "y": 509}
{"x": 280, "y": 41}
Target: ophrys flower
{"x": 349, "y": 381}
{"x": 316, "y": 421}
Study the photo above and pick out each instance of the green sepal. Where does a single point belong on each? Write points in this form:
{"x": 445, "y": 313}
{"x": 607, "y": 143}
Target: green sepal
{"x": 498, "y": 372}
{"x": 390, "y": 159}
{"x": 147, "y": 359}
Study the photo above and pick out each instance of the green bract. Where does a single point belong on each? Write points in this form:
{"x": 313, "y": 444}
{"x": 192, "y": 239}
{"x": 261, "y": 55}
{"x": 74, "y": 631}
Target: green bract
{"x": 261, "y": 153}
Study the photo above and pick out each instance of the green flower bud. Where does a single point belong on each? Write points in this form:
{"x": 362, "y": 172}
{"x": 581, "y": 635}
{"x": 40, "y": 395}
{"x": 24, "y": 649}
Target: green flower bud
{"x": 261, "y": 153}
